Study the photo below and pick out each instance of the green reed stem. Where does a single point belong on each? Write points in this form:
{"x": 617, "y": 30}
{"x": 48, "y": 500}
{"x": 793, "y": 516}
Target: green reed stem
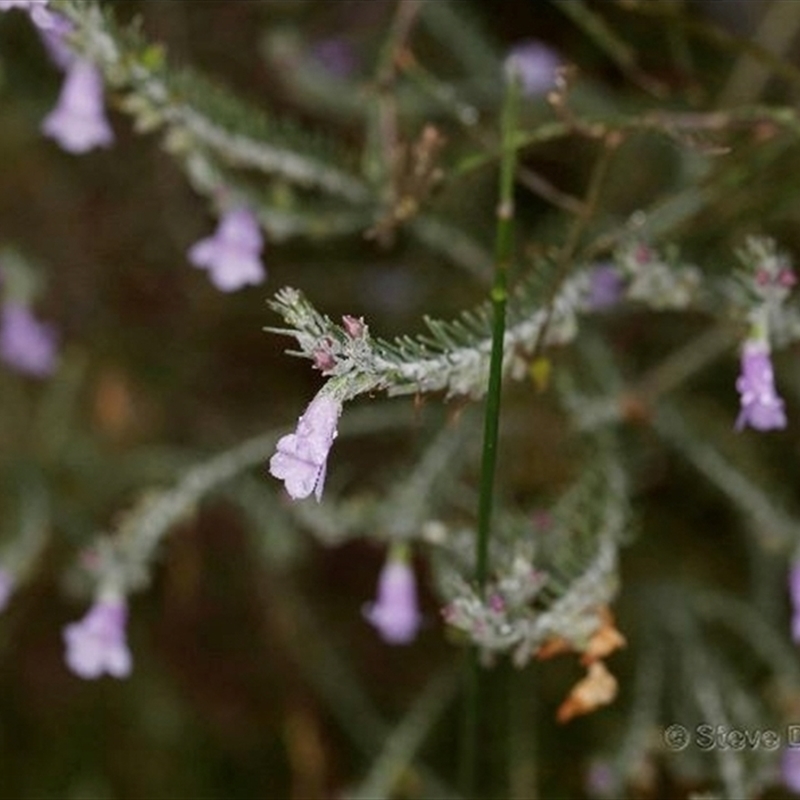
{"x": 498, "y": 295}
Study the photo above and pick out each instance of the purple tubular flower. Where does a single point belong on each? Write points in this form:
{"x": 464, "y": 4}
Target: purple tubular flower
{"x": 26, "y": 344}
{"x": 301, "y": 457}
{"x": 395, "y": 613}
{"x": 6, "y": 587}
{"x": 605, "y": 287}
{"x": 761, "y": 407}
{"x": 78, "y": 122}
{"x": 790, "y": 768}
{"x": 232, "y": 255}
{"x": 535, "y": 63}
{"x": 96, "y": 644}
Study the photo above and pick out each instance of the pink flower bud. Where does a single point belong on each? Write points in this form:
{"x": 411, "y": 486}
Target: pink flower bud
{"x": 354, "y": 326}
{"x": 762, "y": 277}
{"x": 324, "y": 360}
{"x": 787, "y": 278}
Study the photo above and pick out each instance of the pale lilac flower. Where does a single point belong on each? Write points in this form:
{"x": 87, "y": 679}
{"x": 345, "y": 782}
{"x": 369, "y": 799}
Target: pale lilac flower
{"x": 6, "y": 587}
{"x": 232, "y": 255}
{"x": 96, "y": 644}
{"x": 536, "y": 64}
{"x": 790, "y": 768}
{"x": 605, "y": 287}
{"x": 301, "y": 457}
{"x": 395, "y": 613}
{"x": 40, "y": 15}
{"x": 794, "y": 595}
{"x": 761, "y": 407}
{"x": 78, "y": 122}
{"x": 26, "y": 344}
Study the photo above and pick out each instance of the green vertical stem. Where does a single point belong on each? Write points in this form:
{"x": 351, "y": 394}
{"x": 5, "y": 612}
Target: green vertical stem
{"x": 498, "y": 295}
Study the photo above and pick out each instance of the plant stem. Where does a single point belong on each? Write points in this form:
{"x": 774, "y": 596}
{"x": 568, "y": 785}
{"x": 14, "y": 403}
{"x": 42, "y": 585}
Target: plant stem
{"x": 498, "y": 295}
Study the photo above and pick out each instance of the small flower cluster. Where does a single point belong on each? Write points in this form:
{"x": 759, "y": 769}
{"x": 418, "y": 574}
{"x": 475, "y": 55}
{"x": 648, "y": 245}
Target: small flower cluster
{"x": 501, "y": 618}
{"x": 767, "y": 281}
{"x": 525, "y": 607}
{"x": 336, "y": 350}
{"x": 300, "y": 460}
{"x": 767, "y": 276}
{"x": 335, "y": 356}
{"x": 661, "y": 284}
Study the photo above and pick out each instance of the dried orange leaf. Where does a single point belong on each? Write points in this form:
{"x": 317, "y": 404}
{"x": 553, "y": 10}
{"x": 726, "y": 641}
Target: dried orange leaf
{"x": 597, "y": 689}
